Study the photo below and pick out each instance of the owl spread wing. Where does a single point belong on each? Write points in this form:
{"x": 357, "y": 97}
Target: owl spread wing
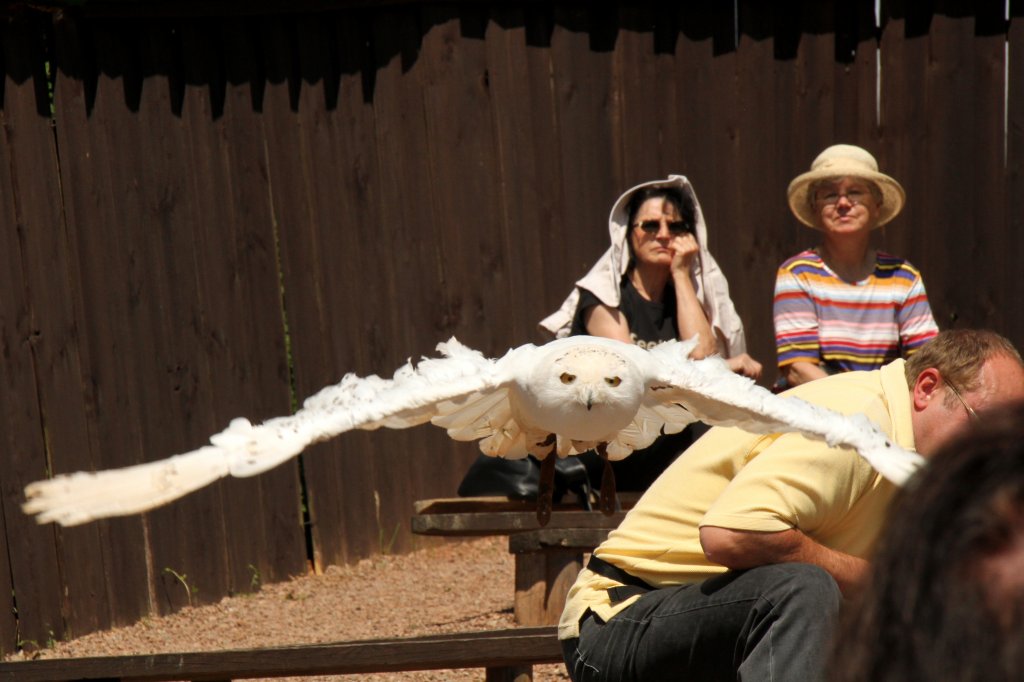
{"x": 481, "y": 409}
{"x": 461, "y": 383}
{"x": 706, "y": 390}
{"x": 473, "y": 398}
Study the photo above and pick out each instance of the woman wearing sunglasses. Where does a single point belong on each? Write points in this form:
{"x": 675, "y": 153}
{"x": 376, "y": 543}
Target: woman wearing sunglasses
{"x": 656, "y": 282}
{"x": 843, "y": 305}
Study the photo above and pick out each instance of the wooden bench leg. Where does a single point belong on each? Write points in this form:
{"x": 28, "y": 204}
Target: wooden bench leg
{"x": 519, "y": 673}
{"x": 543, "y": 579}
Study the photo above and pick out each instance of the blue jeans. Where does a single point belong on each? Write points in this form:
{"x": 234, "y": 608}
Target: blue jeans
{"x": 766, "y": 623}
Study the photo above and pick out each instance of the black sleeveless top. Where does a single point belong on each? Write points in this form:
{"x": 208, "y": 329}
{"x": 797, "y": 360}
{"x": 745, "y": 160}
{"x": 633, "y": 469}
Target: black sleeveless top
{"x": 650, "y": 323}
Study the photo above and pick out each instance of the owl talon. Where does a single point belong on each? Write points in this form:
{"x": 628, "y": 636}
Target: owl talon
{"x": 608, "y": 501}
{"x": 546, "y": 489}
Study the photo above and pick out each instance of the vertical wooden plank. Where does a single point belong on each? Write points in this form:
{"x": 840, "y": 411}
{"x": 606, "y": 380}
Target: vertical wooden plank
{"x": 952, "y": 130}
{"x": 299, "y": 218}
{"x": 403, "y": 148}
{"x": 767, "y": 70}
{"x": 575, "y": 164}
{"x": 326, "y": 225}
{"x": 542, "y": 580}
{"x": 520, "y": 69}
{"x": 409, "y": 271}
{"x": 462, "y": 166}
{"x": 130, "y": 158}
{"x": 388, "y": 290}
{"x": 104, "y": 291}
{"x": 905, "y": 125}
{"x": 36, "y": 337}
{"x": 992, "y": 300}
{"x": 1012, "y": 252}
{"x": 703, "y": 121}
{"x": 116, "y": 549}
{"x": 463, "y": 266}
{"x": 9, "y": 618}
{"x": 461, "y": 274}
{"x": 84, "y": 560}
{"x": 474, "y": 268}
{"x": 855, "y": 68}
{"x": 698, "y": 64}
{"x": 588, "y": 150}
{"x": 728, "y": 146}
{"x": 243, "y": 343}
{"x": 169, "y": 383}
{"x": 824, "y": 59}
{"x": 649, "y": 138}
{"x": 735, "y": 187}
{"x": 136, "y": 256}
{"x": 906, "y": 67}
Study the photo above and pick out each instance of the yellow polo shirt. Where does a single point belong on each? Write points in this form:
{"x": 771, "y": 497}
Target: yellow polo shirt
{"x": 734, "y": 479}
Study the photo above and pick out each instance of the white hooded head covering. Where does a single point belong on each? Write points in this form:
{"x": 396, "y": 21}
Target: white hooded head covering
{"x": 604, "y": 278}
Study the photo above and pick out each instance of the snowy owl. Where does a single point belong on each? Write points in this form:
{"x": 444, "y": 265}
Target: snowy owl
{"x": 561, "y": 398}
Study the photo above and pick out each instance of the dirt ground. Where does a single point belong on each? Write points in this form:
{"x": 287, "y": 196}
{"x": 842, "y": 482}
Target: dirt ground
{"x": 455, "y": 587}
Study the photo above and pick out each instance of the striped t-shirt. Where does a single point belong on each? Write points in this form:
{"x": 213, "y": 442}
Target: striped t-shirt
{"x": 822, "y": 319}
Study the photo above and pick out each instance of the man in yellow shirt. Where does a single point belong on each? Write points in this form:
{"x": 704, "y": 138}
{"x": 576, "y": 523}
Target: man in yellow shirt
{"x": 733, "y": 563}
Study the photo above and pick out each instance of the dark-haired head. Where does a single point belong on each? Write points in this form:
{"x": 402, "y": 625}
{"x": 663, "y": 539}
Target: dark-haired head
{"x": 678, "y": 200}
{"x": 673, "y": 195}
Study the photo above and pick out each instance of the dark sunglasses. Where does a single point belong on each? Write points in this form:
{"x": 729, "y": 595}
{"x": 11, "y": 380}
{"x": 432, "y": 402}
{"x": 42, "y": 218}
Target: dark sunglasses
{"x": 675, "y": 228}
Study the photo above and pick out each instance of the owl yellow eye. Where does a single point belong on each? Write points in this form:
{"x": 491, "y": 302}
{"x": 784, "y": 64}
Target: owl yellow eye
{"x": 613, "y": 381}
{"x": 567, "y": 378}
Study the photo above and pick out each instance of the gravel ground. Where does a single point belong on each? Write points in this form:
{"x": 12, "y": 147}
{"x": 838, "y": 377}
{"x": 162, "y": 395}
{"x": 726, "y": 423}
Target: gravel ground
{"x": 457, "y": 586}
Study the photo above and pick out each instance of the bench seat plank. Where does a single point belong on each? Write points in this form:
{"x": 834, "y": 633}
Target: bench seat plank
{"x": 496, "y": 503}
{"x": 488, "y": 649}
{"x": 482, "y": 523}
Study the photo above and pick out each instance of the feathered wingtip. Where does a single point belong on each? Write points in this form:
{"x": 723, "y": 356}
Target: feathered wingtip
{"x": 674, "y": 349}
{"x": 450, "y": 346}
{"x": 716, "y": 395}
{"x": 72, "y": 499}
{"x": 895, "y": 463}
{"x": 453, "y": 348}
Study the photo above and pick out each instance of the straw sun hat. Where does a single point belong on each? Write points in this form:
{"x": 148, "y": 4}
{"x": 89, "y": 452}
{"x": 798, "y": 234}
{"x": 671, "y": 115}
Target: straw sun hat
{"x": 844, "y": 161}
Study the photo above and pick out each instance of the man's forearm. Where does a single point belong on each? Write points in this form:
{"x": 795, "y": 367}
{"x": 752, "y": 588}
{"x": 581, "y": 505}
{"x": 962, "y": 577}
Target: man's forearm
{"x": 738, "y": 549}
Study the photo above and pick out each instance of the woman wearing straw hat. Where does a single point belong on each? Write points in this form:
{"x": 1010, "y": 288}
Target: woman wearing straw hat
{"x": 842, "y": 305}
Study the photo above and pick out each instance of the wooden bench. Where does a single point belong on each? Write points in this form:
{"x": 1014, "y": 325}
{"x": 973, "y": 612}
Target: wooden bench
{"x": 507, "y": 655}
{"x": 547, "y": 559}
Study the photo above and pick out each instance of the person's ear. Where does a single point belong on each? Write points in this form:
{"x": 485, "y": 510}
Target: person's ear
{"x": 925, "y": 388}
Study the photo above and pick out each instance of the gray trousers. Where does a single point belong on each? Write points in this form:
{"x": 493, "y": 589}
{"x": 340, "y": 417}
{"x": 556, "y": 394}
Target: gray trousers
{"x": 766, "y": 623}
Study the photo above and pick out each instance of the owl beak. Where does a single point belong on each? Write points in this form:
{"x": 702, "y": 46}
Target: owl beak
{"x": 590, "y": 400}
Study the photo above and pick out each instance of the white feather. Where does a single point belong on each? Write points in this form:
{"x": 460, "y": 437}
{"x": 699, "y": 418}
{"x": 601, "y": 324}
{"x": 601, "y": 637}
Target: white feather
{"x": 584, "y": 390}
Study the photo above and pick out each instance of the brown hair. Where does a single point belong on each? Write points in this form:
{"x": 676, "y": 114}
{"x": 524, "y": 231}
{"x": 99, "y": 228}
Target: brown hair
{"x": 959, "y": 354}
{"x": 682, "y": 202}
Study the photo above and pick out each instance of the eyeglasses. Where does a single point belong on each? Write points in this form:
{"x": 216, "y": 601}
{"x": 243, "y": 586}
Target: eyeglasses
{"x": 970, "y": 410}
{"x": 675, "y": 227}
{"x": 856, "y": 197}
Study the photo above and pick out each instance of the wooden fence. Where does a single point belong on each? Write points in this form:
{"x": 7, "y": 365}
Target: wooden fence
{"x": 215, "y": 215}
